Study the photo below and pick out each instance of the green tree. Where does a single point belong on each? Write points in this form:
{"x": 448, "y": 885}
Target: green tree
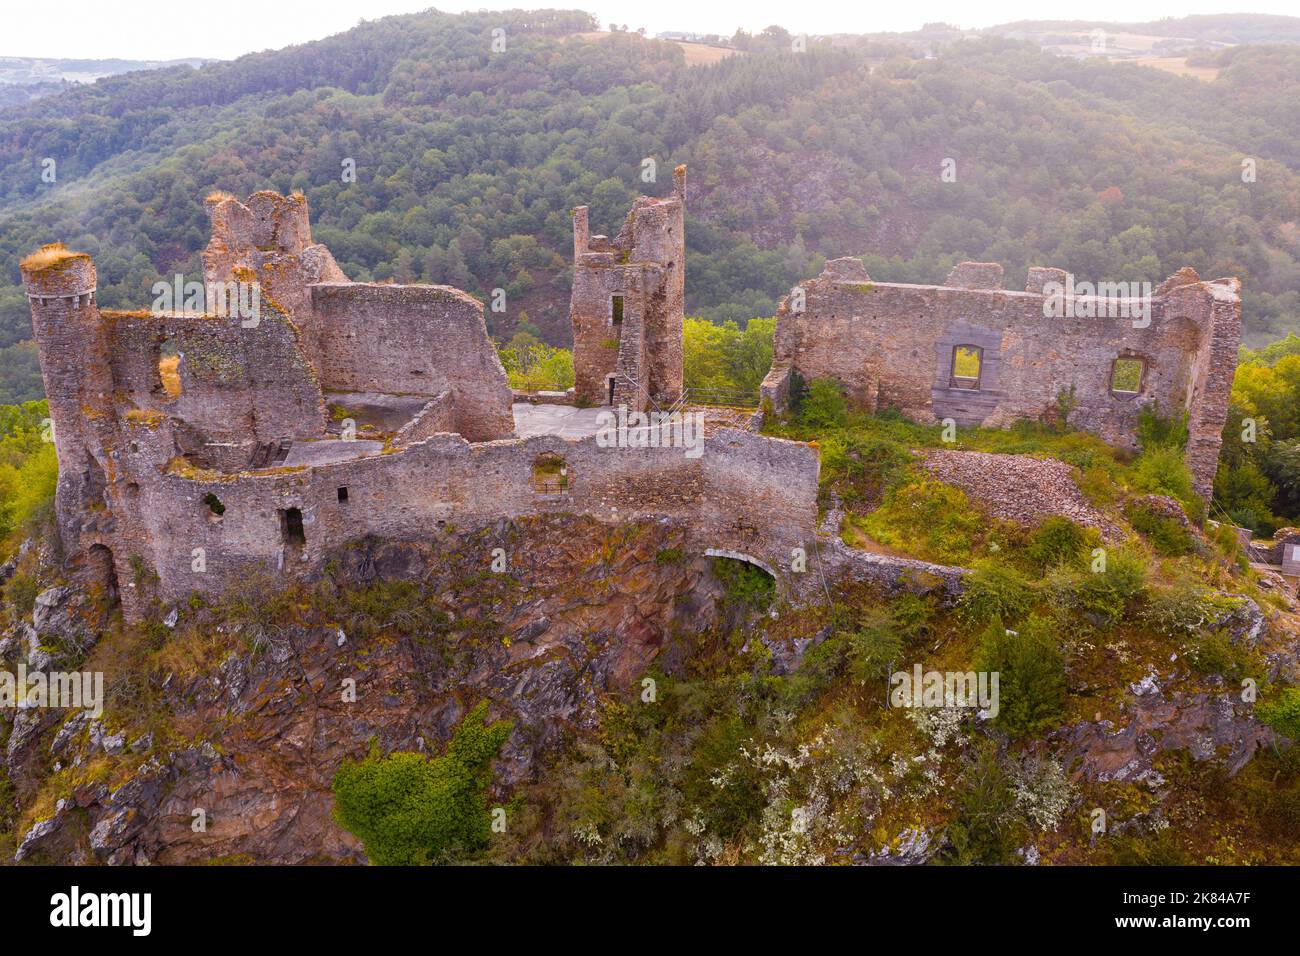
{"x": 408, "y": 809}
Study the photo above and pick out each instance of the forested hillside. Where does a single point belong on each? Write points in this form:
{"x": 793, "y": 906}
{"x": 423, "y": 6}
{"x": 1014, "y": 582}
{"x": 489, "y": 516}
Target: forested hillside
{"x": 468, "y": 161}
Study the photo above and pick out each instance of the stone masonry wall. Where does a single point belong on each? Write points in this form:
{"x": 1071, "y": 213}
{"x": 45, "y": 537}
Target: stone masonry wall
{"x": 414, "y": 340}
{"x": 645, "y": 264}
{"x": 746, "y": 493}
{"x": 892, "y": 345}
{"x": 242, "y": 389}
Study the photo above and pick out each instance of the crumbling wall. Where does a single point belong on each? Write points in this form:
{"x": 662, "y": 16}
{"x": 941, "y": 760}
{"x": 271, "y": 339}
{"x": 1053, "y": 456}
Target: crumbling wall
{"x": 415, "y": 340}
{"x": 893, "y": 345}
{"x": 242, "y": 389}
{"x": 746, "y": 493}
{"x": 268, "y": 240}
{"x": 438, "y": 415}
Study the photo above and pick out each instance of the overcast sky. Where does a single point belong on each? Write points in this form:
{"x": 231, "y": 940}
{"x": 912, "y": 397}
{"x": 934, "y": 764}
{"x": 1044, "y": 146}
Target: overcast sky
{"x": 167, "y": 29}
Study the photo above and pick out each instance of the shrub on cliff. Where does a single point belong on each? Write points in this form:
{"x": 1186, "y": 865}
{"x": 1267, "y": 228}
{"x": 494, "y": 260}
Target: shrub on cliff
{"x": 1283, "y": 714}
{"x": 1031, "y": 681}
{"x": 929, "y": 519}
{"x": 747, "y": 586}
{"x": 411, "y": 809}
{"x": 1102, "y": 597}
{"x": 1167, "y": 535}
{"x": 995, "y": 591}
{"x": 1162, "y": 470}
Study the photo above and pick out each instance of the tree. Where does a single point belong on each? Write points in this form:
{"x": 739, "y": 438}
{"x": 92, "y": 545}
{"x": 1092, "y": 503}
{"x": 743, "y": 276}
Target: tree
{"x": 407, "y": 808}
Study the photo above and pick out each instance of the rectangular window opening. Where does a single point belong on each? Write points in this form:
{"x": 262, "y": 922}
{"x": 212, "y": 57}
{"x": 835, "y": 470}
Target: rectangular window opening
{"x": 343, "y": 495}
{"x": 616, "y": 310}
{"x": 1126, "y": 376}
{"x": 967, "y": 362}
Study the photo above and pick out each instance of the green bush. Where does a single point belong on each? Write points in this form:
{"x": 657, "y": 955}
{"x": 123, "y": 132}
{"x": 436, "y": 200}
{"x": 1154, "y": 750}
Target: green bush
{"x": 1031, "y": 691}
{"x": 1156, "y": 431}
{"x": 1161, "y": 470}
{"x": 994, "y": 590}
{"x": 985, "y": 829}
{"x": 1103, "y": 598}
{"x": 747, "y": 586}
{"x": 823, "y": 405}
{"x": 861, "y": 469}
{"x": 1214, "y": 652}
{"x": 1167, "y": 535}
{"x": 1059, "y": 541}
{"x": 409, "y": 809}
{"x": 927, "y": 518}
{"x": 1184, "y": 607}
{"x": 1283, "y": 714}
{"x": 721, "y": 781}
{"x": 874, "y": 645}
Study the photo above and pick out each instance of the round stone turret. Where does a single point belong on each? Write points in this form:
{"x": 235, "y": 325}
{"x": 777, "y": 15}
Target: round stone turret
{"x": 55, "y": 272}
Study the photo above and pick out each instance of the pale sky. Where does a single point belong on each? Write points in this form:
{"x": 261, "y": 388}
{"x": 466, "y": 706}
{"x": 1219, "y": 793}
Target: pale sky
{"x": 168, "y": 29}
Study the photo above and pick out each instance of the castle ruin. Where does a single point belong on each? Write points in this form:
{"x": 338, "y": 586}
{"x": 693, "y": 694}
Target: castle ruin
{"x": 196, "y": 446}
{"x": 977, "y": 354}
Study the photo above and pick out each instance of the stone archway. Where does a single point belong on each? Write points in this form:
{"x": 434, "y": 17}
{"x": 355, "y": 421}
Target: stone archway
{"x": 740, "y": 556}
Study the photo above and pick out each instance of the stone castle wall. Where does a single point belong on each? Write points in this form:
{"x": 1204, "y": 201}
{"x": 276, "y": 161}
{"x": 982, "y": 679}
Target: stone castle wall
{"x": 361, "y": 337}
{"x": 892, "y": 345}
{"x": 413, "y": 340}
{"x": 243, "y": 390}
{"x": 746, "y": 494}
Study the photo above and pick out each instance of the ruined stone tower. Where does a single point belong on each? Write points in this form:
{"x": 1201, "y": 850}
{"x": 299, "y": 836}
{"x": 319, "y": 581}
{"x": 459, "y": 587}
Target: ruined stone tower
{"x": 627, "y": 304}
{"x": 74, "y": 352}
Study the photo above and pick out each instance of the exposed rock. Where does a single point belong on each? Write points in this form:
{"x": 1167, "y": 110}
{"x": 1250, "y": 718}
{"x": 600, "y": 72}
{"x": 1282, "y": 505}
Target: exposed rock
{"x": 913, "y": 847}
{"x": 1209, "y": 726}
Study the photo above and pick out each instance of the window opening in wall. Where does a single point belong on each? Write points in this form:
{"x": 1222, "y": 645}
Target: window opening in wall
{"x": 967, "y": 362}
{"x": 616, "y": 310}
{"x": 550, "y": 474}
{"x": 343, "y": 495}
{"x": 169, "y": 369}
{"x": 291, "y": 531}
{"x": 610, "y": 382}
{"x": 214, "y": 504}
{"x": 1126, "y": 376}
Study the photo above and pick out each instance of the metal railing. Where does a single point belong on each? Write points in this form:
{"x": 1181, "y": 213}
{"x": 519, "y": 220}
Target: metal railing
{"x": 734, "y": 398}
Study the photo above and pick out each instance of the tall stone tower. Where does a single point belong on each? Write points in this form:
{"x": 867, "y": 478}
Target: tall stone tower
{"x": 74, "y": 354}
{"x": 267, "y": 240}
{"x": 627, "y": 305}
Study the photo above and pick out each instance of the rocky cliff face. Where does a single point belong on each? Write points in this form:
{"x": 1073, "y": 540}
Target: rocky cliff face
{"x": 225, "y": 724}
{"x": 233, "y": 757}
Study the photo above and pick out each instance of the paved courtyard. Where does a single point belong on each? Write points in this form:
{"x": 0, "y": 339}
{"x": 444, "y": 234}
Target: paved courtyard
{"x": 563, "y": 420}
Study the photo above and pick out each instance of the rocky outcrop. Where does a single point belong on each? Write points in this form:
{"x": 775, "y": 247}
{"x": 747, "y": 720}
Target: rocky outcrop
{"x": 251, "y": 747}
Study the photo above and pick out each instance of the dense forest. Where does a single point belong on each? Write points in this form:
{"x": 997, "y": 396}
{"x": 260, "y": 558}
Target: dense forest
{"x": 467, "y": 162}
